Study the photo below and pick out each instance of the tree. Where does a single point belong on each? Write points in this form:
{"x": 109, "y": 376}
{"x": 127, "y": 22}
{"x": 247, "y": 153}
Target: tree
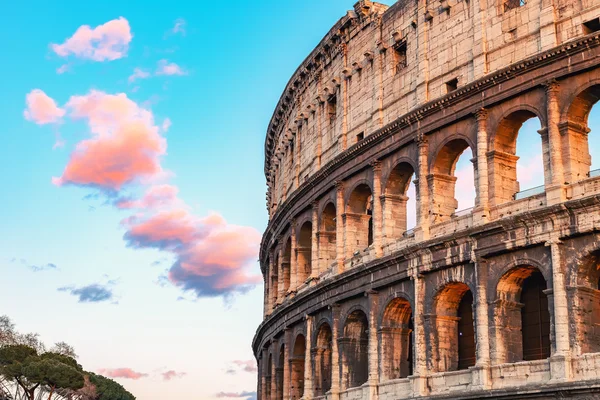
{"x": 13, "y": 361}
{"x": 54, "y": 374}
{"x": 64, "y": 349}
{"x": 107, "y": 389}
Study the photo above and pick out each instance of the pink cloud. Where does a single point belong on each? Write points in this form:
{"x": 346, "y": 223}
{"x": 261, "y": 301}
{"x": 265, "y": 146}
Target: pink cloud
{"x": 63, "y": 68}
{"x": 125, "y": 146}
{"x": 246, "y": 365}
{"x": 124, "y": 373}
{"x": 170, "y": 375}
{"x": 138, "y": 73}
{"x": 106, "y": 42}
{"x": 166, "y": 124}
{"x": 156, "y": 197}
{"x": 42, "y": 109}
{"x": 179, "y": 27}
{"x": 236, "y": 395}
{"x": 167, "y": 68}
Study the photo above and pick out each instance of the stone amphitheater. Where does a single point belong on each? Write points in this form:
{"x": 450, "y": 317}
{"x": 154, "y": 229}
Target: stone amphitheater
{"x": 498, "y": 301}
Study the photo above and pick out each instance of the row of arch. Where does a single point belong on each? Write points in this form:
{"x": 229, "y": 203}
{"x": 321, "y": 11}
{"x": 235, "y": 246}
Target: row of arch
{"x": 523, "y": 330}
{"x": 398, "y": 212}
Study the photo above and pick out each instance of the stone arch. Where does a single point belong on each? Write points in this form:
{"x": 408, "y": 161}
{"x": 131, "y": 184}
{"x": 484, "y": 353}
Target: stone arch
{"x": 297, "y": 367}
{"x": 327, "y": 235}
{"x": 304, "y": 252}
{"x": 521, "y": 315}
{"x": 575, "y": 131}
{"x": 453, "y": 338}
{"x": 395, "y": 199}
{"x": 396, "y": 339}
{"x": 358, "y": 219}
{"x": 502, "y": 157}
{"x": 354, "y": 346}
{"x": 585, "y": 302}
{"x": 442, "y": 179}
{"x": 321, "y": 355}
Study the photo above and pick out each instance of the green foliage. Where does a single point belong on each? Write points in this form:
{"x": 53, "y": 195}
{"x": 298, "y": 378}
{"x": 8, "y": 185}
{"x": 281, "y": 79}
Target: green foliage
{"x": 53, "y": 373}
{"x": 70, "y": 361}
{"x": 13, "y": 358}
{"x": 107, "y": 389}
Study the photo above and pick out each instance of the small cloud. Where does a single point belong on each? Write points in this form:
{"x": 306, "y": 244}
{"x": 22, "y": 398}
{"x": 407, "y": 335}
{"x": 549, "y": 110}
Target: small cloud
{"x": 63, "y": 68}
{"x": 45, "y": 267}
{"x": 124, "y": 373}
{"x": 138, "y": 73}
{"x": 94, "y": 293}
{"x": 166, "y": 124}
{"x": 242, "y": 365}
{"x": 106, "y": 42}
{"x": 41, "y": 108}
{"x": 179, "y": 27}
{"x": 170, "y": 375}
{"x": 167, "y": 68}
{"x": 237, "y": 395}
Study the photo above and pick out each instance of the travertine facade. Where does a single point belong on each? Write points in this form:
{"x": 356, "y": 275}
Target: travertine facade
{"x": 499, "y": 301}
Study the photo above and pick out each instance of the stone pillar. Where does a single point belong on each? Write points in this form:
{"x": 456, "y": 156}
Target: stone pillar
{"x": 482, "y": 210}
{"x": 271, "y": 302}
{"x": 394, "y": 216}
{"x": 293, "y": 259}
{"x": 560, "y": 359}
{"x": 274, "y": 370}
{"x": 308, "y": 387}
{"x": 481, "y": 372}
{"x": 335, "y": 353}
{"x": 280, "y": 291}
{"x": 263, "y": 375}
{"x": 422, "y": 229}
{"x": 555, "y": 192}
{"x": 575, "y": 151}
{"x": 419, "y": 378}
{"x": 339, "y": 226}
{"x": 286, "y": 364}
{"x": 315, "y": 270}
{"x": 373, "y": 380}
{"x": 377, "y": 213}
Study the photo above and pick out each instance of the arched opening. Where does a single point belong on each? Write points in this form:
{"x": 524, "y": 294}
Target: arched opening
{"x": 304, "y": 252}
{"x": 451, "y": 182}
{"x": 354, "y": 349}
{"x": 274, "y": 286}
{"x": 359, "y": 221}
{"x": 327, "y": 237}
{"x": 396, "y": 340}
{"x": 286, "y": 265}
{"x": 582, "y": 128}
{"x": 522, "y": 316}
{"x": 297, "y": 371}
{"x": 454, "y": 333}
{"x": 395, "y": 202}
{"x": 268, "y": 377}
{"x": 322, "y": 357}
{"x": 516, "y": 162}
{"x": 280, "y": 365}
{"x": 585, "y": 303}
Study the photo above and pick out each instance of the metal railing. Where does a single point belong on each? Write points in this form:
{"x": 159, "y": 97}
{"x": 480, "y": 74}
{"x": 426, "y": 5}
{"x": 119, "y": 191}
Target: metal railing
{"x": 409, "y": 233}
{"x": 462, "y": 213}
{"x": 530, "y": 192}
{"x": 595, "y": 173}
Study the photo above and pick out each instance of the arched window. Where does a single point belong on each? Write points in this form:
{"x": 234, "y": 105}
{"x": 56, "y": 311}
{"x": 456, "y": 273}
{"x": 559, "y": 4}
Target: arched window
{"x": 304, "y": 251}
{"x": 274, "y": 287}
{"x": 280, "y": 366}
{"x": 395, "y": 202}
{"x": 451, "y": 186}
{"x": 581, "y": 129}
{"x": 355, "y": 344}
{"x": 297, "y": 372}
{"x": 359, "y": 226}
{"x": 322, "y": 352}
{"x": 396, "y": 337}
{"x": 454, "y": 333}
{"x": 286, "y": 264}
{"x": 516, "y": 160}
{"x": 522, "y": 316}
{"x": 327, "y": 237}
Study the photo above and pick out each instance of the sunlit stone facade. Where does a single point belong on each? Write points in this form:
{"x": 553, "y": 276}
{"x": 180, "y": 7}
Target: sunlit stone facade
{"x": 497, "y": 301}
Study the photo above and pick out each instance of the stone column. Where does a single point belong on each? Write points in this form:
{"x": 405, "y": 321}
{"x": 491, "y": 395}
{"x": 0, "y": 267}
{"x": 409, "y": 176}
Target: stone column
{"x": 335, "y": 354}
{"x": 481, "y": 372}
{"x": 293, "y": 259}
{"x": 274, "y": 370}
{"x": 339, "y": 226}
{"x": 377, "y": 213}
{"x": 419, "y": 378}
{"x": 560, "y": 360}
{"x": 315, "y": 270}
{"x": 308, "y": 387}
{"x": 286, "y": 364}
{"x": 555, "y": 193}
{"x": 373, "y": 380}
{"x": 482, "y": 210}
{"x": 422, "y": 229}
{"x": 280, "y": 277}
{"x": 263, "y": 375}
{"x": 270, "y": 301}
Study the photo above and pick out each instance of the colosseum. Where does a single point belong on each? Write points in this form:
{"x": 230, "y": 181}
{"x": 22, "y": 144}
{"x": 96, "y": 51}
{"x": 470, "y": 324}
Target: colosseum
{"x": 368, "y": 297}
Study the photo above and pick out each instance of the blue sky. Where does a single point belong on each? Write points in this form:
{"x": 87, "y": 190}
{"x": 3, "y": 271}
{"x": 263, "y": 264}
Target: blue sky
{"x": 74, "y": 267}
